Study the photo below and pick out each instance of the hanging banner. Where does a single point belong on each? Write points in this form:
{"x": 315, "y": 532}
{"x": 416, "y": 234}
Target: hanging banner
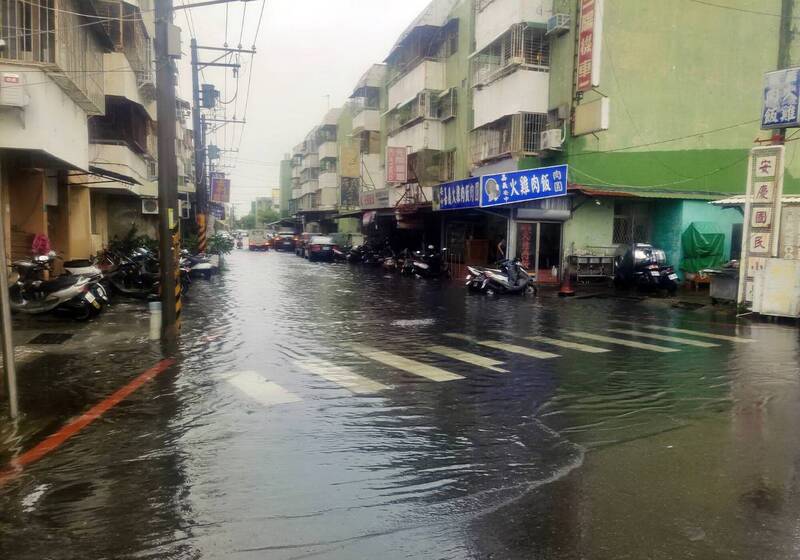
{"x": 220, "y": 188}
{"x": 218, "y": 211}
{"x": 456, "y": 195}
{"x": 761, "y": 215}
{"x": 523, "y": 186}
{"x": 396, "y": 165}
{"x": 350, "y": 159}
{"x": 589, "y": 44}
{"x": 374, "y": 198}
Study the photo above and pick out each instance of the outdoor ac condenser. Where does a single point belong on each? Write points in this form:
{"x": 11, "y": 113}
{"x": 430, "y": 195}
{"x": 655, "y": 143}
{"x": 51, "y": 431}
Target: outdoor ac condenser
{"x": 12, "y": 90}
{"x": 149, "y": 206}
{"x": 551, "y": 139}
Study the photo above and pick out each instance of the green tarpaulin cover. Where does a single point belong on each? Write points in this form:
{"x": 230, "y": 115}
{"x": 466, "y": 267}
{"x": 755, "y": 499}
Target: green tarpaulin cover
{"x": 703, "y": 246}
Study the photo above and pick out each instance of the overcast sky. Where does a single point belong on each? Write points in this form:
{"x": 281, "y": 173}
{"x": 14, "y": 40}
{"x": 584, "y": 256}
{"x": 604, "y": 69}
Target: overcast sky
{"x": 307, "y": 50}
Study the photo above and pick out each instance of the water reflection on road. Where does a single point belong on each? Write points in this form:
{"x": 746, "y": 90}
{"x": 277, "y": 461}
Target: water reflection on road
{"x": 333, "y": 411}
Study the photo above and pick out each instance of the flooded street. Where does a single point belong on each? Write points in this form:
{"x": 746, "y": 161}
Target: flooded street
{"x": 331, "y": 411}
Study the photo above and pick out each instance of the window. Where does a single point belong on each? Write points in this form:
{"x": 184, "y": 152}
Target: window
{"x": 446, "y": 107}
{"x": 631, "y": 223}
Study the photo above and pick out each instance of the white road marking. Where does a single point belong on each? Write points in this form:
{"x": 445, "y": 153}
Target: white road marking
{"x": 666, "y": 338}
{"x": 568, "y": 344}
{"x": 342, "y": 376}
{"x": 260, "y": 390}
{"x": 700, "y": 333}
{"x": 622, "y": 342}
{"x": 468, "y": 357}
{"x": 513, "y": 348}
{"x": 405, "y": 364}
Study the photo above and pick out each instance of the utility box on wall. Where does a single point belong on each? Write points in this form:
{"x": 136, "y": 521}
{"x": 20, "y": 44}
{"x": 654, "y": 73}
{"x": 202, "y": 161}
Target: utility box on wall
{"x": 776, "y": 288}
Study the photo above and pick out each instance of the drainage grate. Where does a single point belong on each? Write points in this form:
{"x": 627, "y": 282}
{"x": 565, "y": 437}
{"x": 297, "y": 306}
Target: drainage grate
{"x": 50, "y": 338}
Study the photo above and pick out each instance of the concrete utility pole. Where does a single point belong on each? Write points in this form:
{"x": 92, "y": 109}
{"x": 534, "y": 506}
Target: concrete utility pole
{"x": 9, "y": 363}
{"x": 784, "y": 47}
{"x": 169, "y": 236}
{"x": 201, "y": 189}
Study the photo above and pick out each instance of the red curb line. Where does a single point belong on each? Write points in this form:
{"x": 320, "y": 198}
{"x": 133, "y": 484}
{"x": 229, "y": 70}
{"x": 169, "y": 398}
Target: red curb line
{"x": 54, "y": 441}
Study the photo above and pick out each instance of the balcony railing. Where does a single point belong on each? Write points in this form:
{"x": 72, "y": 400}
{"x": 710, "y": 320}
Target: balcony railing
{"x": 514, "y": 135}
{"x": 52, "y": 33}
{"x": 421, "y": 107}
{"x": 127, "y": 32}
{"x": 520, "y": 46}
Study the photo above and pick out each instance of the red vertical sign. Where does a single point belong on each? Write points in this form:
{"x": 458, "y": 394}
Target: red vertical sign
{"x": 396, "y": 165}
{"x": 586, "y": 45}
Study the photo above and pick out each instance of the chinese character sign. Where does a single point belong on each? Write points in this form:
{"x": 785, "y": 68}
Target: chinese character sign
{"x": 460, "y": 194}
{"x": 220, "y": 188}
{"x": 781, "y": 103}
{"x": 396, "y": 165}
{"x": 218, "y": 211}
{"x": 589, "y": 44}
{"x": 522, "y": 186}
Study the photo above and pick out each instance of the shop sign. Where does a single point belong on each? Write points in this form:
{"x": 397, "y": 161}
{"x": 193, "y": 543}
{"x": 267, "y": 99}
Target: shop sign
{"x": 376, "y": 198}
{"x": 396, "y": 165}
{"x": 589, "y": 44}
{"x": 456, "y": 195}
{"x": 763, "y": 207}
{"x": 218, "y": 211}
{"x": 220, "y": 188}
{"x": 781, "y": 102}
{"x": 523, "y": 186}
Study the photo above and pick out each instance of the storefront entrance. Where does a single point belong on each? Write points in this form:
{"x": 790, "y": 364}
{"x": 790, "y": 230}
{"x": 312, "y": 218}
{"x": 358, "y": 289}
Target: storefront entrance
{"x": 539, "y": 249}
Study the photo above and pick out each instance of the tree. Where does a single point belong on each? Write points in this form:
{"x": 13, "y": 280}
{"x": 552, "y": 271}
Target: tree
{"x": 267, "y": 216}
{"x": 246, "y": 222}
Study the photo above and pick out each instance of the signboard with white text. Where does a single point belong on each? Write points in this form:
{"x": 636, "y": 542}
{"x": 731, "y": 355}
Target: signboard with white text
{"x": 522, "y": 186}
{"x": 781, "y": 102}
{"x": 589, "y": 44}
{"x": 396, "y": 165}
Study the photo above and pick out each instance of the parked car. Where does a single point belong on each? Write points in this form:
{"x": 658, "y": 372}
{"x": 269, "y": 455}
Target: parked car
{"x": 301, "y": 243}
{"x": 284, "y": 242}
{"x": 258, "y": 240}
{"x": 321, "y": 249}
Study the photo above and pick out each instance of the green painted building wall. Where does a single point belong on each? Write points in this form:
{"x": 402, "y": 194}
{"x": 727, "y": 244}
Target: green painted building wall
{"x": 684, "y": 82}
{"x": 458, "y": 77}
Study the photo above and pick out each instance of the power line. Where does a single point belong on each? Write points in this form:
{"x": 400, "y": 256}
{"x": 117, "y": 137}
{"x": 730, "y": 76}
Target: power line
{"x": 742, "y": 10}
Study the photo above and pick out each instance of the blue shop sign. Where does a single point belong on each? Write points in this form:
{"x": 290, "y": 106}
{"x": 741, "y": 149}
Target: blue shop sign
{"x": 522, "y": 186}
{"x": 781, "y": 103}
{"x": 456, "y": 195}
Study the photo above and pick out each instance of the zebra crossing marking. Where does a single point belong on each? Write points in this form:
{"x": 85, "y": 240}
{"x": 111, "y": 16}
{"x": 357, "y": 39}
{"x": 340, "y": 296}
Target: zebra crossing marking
{"x": 468, "y": 357}
{"x": 667, "y": 338}
{"x": 513, "y": 348}
{"x": 342, "y": 376}
{"x": 567, "y": 344}
{"x": 700, "y": 333}
{"x": 406, "y": 364}
{"x": 260, "y": 390}
{"x": 622, "y": 342}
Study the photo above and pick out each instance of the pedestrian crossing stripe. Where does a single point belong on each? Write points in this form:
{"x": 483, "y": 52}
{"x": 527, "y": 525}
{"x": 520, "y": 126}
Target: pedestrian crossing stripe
{"x": 259, "y": 389}
{"x": 667, "y": 338}
{"x": 622, "y": 342}
{"x": 567, "y": 344}
{"x": 342, "y": 376}
{"x": 406, "y": 364}
{"x": 512, "y": 348}
{"x": 468, "y": 357}
{"x": 700, "y": 333}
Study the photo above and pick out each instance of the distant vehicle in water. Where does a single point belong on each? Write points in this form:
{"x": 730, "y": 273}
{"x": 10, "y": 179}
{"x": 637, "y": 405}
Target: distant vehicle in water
{"x": 258, "y": 240}
{"x": 321, "y": 248}
{"x": 284, "y": 241}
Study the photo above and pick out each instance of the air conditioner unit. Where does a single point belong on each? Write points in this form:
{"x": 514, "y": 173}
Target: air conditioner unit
{"x": 149, "y": 206}
{"x": 183, "y": 209}
{"x": 12, "y": 90}
{"x": 551, "y": 139}
{"x": 558, "y": 24}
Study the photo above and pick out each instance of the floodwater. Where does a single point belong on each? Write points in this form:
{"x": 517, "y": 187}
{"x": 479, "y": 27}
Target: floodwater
{"x": 330, "y": 411}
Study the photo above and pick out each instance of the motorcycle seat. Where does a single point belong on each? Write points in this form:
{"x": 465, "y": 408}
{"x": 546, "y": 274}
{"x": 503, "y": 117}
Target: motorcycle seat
{"x": 78, "y": 263}
{"x": 56, "y": 284}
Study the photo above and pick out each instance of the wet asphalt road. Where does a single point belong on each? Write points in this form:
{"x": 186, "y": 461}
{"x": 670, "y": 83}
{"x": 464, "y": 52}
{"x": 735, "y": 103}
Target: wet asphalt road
{"x": 329, "y": 411}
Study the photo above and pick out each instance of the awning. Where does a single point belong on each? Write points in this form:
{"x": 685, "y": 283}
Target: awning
{"x": 741, "y": 200}
{"x": 106, "y": 174}
{"x": 349, "y": 214}
{"x": 630, "y": 192}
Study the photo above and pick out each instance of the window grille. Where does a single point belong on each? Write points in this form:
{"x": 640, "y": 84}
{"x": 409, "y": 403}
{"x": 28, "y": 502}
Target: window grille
{"x": 519, "y": 46}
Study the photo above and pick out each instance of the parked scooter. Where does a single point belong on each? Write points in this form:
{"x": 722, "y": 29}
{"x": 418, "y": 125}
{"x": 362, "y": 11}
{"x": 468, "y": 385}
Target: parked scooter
{"x": 198, "y": 265}
{"x": 644, "y": 267}
{"x": 70, "y": 295}
{"x": 430, "y": 264}
{"x": 133, "y": 276}
{"x": 510, "y": 277}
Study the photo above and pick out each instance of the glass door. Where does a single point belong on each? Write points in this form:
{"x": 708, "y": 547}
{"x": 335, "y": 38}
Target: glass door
{"x": 539, "y": 249}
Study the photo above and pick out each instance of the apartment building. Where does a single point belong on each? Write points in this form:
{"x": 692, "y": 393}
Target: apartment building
{"x": 51, "y": 82}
